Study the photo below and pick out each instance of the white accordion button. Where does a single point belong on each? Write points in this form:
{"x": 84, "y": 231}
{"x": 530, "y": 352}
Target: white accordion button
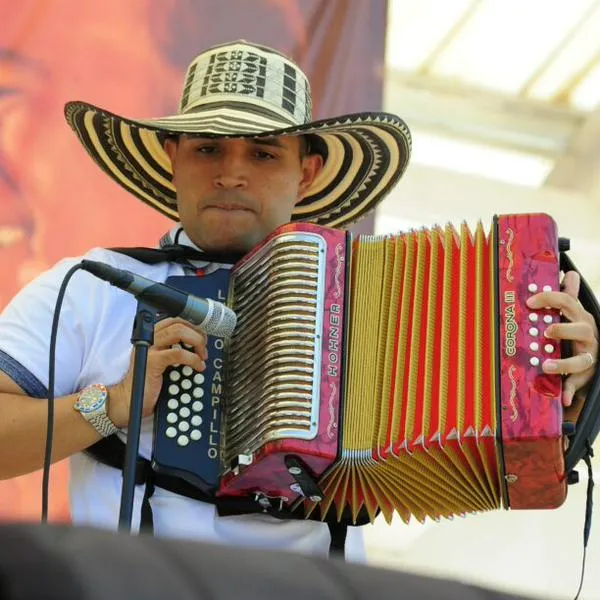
{"x": 547, "y": 288}
{"x": 183, "y": 440}
{"x": 549, "y": 348}
{"x": 535, "y": 361}
{"x": 184, "y": 413}
{"x": 534, "y": 346}
{"x": 198, "y": 378}
{"x": 195, "y": 434}
{"x": 533, "y": 331}
{"x": 533, "y": 317}
{"x": 187, "y": 370}
{"x": 183, "y": 426}
{"x": 186, "y": 384}
{"x": 198, "y": 392}
{"x": 173, "y": 390}
{"x": 197, "y": 406}
{"x": 185, "y": 398}
{"x": 532, "y": 288}
{"x": 196, "y": 420}
{"x": 171, "y": 418}
{"x": 548, "y": 319}
{"x": 174, "y": 375}
{"x": 171, "y": 432}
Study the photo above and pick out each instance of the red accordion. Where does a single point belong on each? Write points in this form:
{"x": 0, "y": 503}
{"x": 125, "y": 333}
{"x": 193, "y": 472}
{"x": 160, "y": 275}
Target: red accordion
{"x": 401, "y": 373}
{"x": 394, "y": 373}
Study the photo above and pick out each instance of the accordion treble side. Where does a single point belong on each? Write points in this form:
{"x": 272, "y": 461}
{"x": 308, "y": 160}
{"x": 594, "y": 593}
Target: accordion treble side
{"x": 529, "y": 400}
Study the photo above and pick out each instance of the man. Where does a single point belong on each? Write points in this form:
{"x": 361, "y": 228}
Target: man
{"x": 241, "y": 158}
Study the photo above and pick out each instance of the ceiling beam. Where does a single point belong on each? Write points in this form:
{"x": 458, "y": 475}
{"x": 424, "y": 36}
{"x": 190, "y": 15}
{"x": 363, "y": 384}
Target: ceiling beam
{"x": 453, "y": 109}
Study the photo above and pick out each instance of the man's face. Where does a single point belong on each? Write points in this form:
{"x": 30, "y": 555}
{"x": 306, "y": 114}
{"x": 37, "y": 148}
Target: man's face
{"x": 232, "y": 193}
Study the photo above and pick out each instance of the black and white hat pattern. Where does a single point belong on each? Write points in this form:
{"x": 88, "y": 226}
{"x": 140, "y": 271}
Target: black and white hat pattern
{"x": 247, "y": 90}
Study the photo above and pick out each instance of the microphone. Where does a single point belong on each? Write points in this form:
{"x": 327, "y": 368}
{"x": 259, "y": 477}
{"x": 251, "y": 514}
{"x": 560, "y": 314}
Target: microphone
{"x": 214, "y": 317}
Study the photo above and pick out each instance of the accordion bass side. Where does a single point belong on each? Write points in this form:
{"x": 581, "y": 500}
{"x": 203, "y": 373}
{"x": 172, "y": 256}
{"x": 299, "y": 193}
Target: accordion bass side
{"x": 397, "y": 373}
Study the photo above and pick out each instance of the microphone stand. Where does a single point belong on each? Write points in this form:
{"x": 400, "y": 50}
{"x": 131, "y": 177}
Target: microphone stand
{"x": 142, "y": 338}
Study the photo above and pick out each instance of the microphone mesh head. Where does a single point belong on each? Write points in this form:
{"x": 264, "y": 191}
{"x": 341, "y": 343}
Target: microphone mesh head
{"x": 228, "y": 321}
{"x": 221, "y": 322}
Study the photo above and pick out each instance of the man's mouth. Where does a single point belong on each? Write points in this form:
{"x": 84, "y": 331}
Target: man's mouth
{"x": 229, "y": 207}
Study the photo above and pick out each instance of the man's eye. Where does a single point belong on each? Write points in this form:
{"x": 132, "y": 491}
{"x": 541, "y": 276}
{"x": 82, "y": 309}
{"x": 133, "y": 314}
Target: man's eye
{"x": 264, "y": 155}
{"x": 205, "y": 149}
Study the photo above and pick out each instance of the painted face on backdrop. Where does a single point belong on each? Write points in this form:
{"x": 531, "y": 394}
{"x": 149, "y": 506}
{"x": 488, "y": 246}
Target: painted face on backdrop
{"x": 17, "y": 78}
{"x": 54, "y": 201}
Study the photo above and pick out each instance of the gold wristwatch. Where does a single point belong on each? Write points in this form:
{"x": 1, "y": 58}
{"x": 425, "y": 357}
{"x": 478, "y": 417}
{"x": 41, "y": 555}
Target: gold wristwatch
{"x": 91, "y": 403}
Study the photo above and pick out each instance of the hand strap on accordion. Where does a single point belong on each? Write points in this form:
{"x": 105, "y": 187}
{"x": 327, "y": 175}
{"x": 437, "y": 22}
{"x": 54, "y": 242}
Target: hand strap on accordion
{"x": 588, "y": 421}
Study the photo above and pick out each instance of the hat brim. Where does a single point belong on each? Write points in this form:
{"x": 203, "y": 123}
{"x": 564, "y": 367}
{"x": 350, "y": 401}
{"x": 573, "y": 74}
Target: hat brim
{"x": 365, "y": 155}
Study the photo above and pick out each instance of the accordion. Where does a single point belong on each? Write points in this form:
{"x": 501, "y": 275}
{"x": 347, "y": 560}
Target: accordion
{"x": 389, "y": 374}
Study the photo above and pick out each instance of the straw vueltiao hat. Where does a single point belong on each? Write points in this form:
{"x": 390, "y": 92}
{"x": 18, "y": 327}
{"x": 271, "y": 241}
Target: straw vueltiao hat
{"x": 247, "y": 90}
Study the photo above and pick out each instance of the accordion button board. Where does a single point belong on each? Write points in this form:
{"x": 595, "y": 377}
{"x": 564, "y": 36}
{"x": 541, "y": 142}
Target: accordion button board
{"x": 187, "y": 423}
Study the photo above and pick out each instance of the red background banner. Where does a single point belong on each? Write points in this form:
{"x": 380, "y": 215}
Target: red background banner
{"x": 130, "y": 57}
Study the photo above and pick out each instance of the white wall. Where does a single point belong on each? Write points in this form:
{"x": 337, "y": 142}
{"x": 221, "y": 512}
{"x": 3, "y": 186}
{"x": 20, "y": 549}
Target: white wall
{"x": 534, "y": 552}
{"x": 537, "y": 553}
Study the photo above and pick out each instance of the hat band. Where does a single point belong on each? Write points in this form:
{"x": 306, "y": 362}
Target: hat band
{"x": 252, "y": 108}
{"x": 219, "y": 119}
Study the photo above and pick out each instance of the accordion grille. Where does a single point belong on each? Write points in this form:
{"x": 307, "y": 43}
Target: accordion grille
{"x": 273, "y": 366}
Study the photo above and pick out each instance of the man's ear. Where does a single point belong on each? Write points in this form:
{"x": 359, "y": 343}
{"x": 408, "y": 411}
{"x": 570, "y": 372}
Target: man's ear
{"x": 311, "y": 167}
{"x": 170, "y": 147}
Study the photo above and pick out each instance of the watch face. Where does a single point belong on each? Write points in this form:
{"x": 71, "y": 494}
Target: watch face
{"x": 91, "y": 399}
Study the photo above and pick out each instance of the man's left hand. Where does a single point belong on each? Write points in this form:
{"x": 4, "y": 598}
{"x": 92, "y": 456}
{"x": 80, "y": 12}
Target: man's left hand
{"x": 580, "y": 330}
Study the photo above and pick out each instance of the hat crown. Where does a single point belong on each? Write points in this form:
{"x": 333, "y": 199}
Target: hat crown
{"x": 249, "y": 78}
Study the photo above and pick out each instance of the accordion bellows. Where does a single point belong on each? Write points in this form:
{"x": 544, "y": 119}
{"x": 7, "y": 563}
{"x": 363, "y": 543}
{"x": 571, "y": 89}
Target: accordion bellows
{"x": 443, "y": 405}
{"x": 399, "y": 373}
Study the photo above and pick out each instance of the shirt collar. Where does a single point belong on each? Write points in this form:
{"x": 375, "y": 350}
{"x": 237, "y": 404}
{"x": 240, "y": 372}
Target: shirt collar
{"x": 177, "y": 235}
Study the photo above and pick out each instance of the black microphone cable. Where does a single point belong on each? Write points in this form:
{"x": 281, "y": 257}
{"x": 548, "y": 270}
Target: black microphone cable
{"x": 51, "y": 385}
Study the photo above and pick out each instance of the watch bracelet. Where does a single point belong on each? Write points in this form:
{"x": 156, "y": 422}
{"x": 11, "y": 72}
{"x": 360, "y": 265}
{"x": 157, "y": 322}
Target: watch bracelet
{"x": 103, "y": 425}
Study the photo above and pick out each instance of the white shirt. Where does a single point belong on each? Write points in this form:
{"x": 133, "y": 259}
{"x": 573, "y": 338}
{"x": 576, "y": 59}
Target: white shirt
{"x": 93, "y": 346}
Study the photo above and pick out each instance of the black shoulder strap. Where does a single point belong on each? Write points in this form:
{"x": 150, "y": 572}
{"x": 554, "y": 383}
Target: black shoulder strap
{"x": 175, "y": 253}
{"x": 588, "y": 422}
{"x": 338, "y": 532}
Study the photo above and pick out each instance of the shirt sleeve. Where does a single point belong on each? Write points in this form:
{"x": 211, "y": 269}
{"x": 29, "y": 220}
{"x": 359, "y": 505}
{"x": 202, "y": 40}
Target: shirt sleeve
{"x": 26, "y": 326}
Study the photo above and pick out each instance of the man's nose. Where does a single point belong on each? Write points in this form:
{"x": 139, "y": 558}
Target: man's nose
{"x": 231, "y": 172}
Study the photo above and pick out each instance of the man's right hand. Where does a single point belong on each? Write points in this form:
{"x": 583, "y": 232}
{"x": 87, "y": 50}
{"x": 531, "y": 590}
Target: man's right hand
{"x": 171, "y": 337}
